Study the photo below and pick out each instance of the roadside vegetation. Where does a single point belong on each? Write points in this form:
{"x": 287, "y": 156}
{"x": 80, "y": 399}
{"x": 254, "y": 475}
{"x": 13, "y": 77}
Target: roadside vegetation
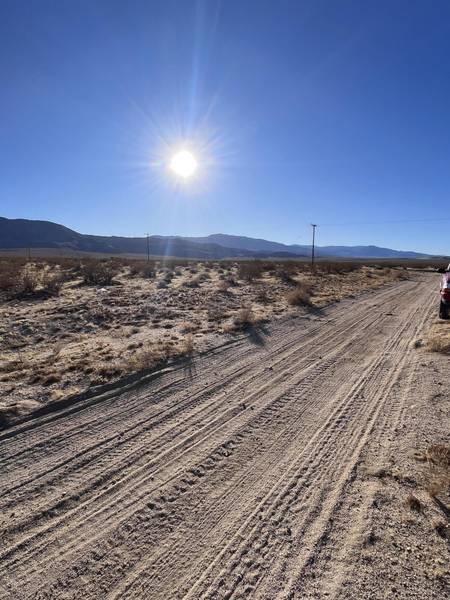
{"x": 438, "y": 339}
{"x": 68, "y": 324}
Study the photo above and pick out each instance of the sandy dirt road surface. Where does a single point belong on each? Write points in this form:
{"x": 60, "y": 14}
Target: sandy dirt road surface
{"x": 239, "y": 475}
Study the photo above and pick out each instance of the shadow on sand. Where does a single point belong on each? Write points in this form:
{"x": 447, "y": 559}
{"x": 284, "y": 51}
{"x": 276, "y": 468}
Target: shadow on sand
{"x": 257, "y": 334}
{"x": 444, "y": 508}
{"x": 189, "y": 369}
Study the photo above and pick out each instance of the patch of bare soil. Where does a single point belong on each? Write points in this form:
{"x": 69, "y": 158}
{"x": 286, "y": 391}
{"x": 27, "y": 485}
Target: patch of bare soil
{"x": 66, "y": 328}
{"x": 308, "y": 461}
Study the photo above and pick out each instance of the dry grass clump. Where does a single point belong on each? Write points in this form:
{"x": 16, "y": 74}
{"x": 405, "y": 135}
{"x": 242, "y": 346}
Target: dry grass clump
{"x": 437, "y": 478}
{"x": 438, "y": 339}
{"x": 189, "y": 326}
{"x": 154, "y": 355}
{"x": 188, "y": 346}
{"x": 439, "y": 454}
{"x": 398, "y": 274}
{"x": 146, "y": 358}
{"x": 300, "y": 296}
{"x": 244, "y": 319}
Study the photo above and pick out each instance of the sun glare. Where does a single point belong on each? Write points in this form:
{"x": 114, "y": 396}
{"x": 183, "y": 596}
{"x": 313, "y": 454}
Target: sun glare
{"x": 183, "y": 164}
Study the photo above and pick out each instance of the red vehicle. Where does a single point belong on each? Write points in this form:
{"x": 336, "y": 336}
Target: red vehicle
{"x": 444, "y": 308}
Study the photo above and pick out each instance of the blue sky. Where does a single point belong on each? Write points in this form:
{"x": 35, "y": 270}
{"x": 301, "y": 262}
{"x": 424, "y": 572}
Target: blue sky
{"x": 298, "y": 111}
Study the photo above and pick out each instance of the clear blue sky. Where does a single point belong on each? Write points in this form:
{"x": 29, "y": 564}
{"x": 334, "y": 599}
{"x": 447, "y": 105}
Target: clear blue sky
{"x": 299, "y": 111}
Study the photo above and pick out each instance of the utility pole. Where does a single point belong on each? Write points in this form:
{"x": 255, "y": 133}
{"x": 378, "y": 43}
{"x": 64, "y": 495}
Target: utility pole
{"x": 148, "y": 248}
{"x": 312, "y": 247}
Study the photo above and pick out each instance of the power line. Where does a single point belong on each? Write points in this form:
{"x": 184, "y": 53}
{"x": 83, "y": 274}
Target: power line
{"x": 348, "y": 223}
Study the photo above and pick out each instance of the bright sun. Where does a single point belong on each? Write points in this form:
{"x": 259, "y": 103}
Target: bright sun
{"x": 184, "y": 164}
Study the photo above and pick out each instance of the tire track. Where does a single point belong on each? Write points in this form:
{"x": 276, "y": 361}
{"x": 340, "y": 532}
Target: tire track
{"x": 152, "y": 487}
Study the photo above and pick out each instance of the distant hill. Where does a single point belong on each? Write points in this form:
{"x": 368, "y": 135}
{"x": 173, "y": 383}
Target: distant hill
{"x": 252, "y": 244}
{"x": 24, "y": 233}
{"x": 259, "y": 245}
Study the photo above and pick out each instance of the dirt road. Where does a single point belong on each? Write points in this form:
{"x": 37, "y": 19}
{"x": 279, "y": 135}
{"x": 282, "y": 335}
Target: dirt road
{"x": 234, "y": 477}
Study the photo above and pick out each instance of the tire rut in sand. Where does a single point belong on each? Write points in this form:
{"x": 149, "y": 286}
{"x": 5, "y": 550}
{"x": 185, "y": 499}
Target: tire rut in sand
{"x": 273, "y": 380}
{"x": 253, "y": 485}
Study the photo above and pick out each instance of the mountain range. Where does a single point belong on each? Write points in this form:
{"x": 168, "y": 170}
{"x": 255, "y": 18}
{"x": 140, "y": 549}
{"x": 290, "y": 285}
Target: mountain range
{"x": 25, "y": 233}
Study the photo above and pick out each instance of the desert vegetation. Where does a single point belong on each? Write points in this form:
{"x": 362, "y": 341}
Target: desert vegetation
{"x": 438, "y": 338}
{"x": 68, "y": 324}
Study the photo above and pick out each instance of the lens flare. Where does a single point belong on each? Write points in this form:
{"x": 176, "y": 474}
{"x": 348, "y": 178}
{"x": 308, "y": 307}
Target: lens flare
{"x": 184, "y": 164}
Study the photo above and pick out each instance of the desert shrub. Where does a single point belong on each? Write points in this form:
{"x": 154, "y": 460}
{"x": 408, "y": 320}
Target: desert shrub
{"x": 329, "y": 268}
{"x": 227, "y": 280}
{"x": 10, "y": 273}
{"x": 203, "y": 276}
{"x": 244, "y": 318}
{"x": 99, "y": 272}
{"x": 146, "y": 269}
{"x": 99, "y": 314}
{"x": 262, "y": 295}
{"x": 300, "y": 296}
{"x": 286, "y": 272}
{"x": 337, "y": 267}
{"x": 215, "y": 313}
{"x": 52, "y": 282}
{"x": 188, "y": 346}
{"x": 399, "y": 274}
{"x": 249, "y": 271}
{"x": 155, "y": 355}
{"x": 73, "y": 269}
{"x": 270, "y": 266}
{"x": 191, "y": 283}
{"x": 223, "y": 285}
{"x": 165, "y": 280}
{"x": 29, "y": 280}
